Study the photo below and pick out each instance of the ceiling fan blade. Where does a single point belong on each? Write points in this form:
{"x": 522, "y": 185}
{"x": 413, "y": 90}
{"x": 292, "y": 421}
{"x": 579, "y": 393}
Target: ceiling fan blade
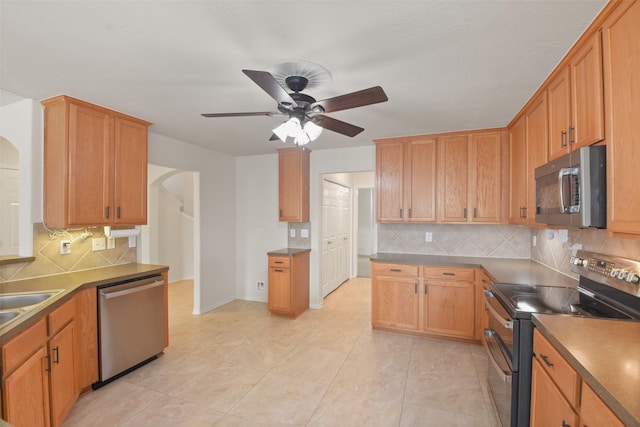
{"x": 335, "y": 125}
{"x": 257, "y": 113}
{"x": 269, "y": 84}
{"x": 373, "y": 95}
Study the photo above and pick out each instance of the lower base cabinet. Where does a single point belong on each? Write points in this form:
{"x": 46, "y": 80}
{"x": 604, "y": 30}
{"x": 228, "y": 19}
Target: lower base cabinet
{"x": 559, "y": 397}
{"x": 424, "y": 300}
{"x": 288, "y": 293}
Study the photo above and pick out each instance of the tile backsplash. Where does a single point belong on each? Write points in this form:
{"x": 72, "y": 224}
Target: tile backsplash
{"x": 48, "y": 259}
{"x": 508, "y": 241}
{"x": 553, "y": 252}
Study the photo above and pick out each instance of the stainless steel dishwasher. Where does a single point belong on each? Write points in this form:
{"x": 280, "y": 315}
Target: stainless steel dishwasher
{"x": 130, "y": 325}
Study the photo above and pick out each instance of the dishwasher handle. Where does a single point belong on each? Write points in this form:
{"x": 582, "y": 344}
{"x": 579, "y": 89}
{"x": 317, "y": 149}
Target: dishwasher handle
{"x": 116, "y": 294}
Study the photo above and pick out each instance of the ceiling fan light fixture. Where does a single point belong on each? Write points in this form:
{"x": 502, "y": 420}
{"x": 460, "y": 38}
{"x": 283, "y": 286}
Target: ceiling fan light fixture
{"x": 289, "y": 128}
{"x": 312, "y": 130}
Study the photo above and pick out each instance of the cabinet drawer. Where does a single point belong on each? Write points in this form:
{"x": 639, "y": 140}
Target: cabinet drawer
{"x": 593, "y": 410}
{"x": 21, "y": 347}
{"x": 62, "y": 315}
{"x": 279, "y": 261}
{"x": 562, "y": 374}
{"x": 449, "y": 273}
{"x": 394, "y": 269}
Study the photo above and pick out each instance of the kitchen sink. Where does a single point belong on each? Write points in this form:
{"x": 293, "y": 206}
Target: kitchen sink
{"x": 7, "y": 316}
{"x": 24, "y": 300}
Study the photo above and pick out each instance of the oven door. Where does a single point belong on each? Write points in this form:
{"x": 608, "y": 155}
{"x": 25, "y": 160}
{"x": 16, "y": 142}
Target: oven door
{"x": 501, "y": 323}
{"x": 501, "y": 379}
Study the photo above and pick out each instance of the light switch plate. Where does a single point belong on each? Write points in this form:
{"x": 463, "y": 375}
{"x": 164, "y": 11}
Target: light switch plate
{"x": 111, "y": 243}
{"x": 292, "y": 233}
{"x": 304, "y": 233}
{"x": 133, "y": 241}
{"x": 98, "y": 244}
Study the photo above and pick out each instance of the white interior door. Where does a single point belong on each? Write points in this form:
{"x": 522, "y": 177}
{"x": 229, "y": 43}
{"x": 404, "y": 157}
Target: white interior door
{"x": 9, "y": 205}
{"x": 335, "y": 236}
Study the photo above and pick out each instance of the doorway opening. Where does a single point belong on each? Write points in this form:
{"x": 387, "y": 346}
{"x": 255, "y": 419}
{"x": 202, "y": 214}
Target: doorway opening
{"x": 173, "y": 226}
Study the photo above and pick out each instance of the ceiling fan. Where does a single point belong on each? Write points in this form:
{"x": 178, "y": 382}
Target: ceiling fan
{"x": 306, "y": 115}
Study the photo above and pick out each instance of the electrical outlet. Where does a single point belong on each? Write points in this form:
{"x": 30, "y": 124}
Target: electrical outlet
{"x": 98, "y": 244}
{"x": 65, "y": 247}
{"x": 292, "y": 233}
{"x": 133, "y": 242}
{"x": 261, "y": 286}
{"x": 111, "y": 243}
{"x": 428, "y": 236}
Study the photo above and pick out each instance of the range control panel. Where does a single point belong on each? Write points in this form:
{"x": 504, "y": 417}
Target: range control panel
{"x": 621, "y": 268}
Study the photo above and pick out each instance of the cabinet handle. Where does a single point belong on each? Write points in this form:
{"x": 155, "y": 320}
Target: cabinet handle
{"x": 524, "y": 212}
{"x": 571, "y": 134}
{"x": 280, "y": 212}
{"x": 567, "y": 425}
{"x": 446, "y": 273}
{"x": 475, "y": 212}
{"x": 425, "y": 288}
{"x": 118, "y": 212}
{"x": 48, "y": 365}
{"x": 56, "y": 355}
{"x": 106, "y": 212}
{"x": 396, "y": 270}
{"x": 415, "y": 288}
{"x": 546, "y": 360}
{"x": 465, "y": 213}
{"x": 279, "y": 271}
{"x": 277, "y": 262}
{"x": 400, "y": 212}
{"x": 409, "y": 212}
{"x": 563, "y": 136}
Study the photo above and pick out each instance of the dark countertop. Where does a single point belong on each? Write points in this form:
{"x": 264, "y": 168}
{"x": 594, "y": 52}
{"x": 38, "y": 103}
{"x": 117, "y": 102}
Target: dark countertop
{"x": 288, "y": 251}
{"x": 606, "y": 354}
{"x": 69, "y": 283}
{"x": 502, "y": 270}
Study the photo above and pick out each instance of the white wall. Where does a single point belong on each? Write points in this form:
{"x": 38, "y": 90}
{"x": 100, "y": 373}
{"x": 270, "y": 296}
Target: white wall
{"x": 215, "y": 268}
{"x": 258, "y": 228}
{"x": 21, "y": 123}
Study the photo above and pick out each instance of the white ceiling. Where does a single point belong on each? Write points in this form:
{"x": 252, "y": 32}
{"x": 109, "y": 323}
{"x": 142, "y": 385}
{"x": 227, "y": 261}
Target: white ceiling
{"x": 445, "y": 65}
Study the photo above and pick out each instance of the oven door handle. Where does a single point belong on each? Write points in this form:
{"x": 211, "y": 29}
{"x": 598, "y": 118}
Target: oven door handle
{"x": 492, "y": 347}
{"x": 504, "y": 322}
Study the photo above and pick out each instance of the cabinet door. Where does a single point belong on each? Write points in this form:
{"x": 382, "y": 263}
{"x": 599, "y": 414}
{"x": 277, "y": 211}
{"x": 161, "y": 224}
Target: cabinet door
{"x": 518, "y": 172}
{"x": 586, "y": 94}
{"x": 394, "y": 302}
{"x": 485, "y": 185}
{"x": 293, "y": 184}
{"x": 548, "y": 406}
{"x": 421, "y": 181}
{"x": 559, "y": 97}
{"x": 279, "y": 290}
{"x": 536, "y": 134}
{"x": 594, "y": 412}
{"x": 453, "y": 172}
{"x": 63, "y": 381}
{"x": 389, "y": 181}
{"x": 449, "y": 308}
{"x": 86, "y": 325}
{"x": 26, "y": 392}
{"x": 621, "y": 52}
{"x": 129, "y": 206}
{"x": 88, "y": 167}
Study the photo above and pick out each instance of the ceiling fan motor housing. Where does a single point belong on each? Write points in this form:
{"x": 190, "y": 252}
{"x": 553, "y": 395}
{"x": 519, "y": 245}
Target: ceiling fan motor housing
{"x": 296, "y": 83}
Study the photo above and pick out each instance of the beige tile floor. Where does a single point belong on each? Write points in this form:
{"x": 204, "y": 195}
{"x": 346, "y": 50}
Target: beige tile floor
{"x": 239, "y": 366}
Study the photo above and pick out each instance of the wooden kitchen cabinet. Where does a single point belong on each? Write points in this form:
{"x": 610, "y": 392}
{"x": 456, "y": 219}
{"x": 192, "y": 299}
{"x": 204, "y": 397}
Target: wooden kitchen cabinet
{"x": 482, "y": 313}
{"x": 394, "y": 297}
{"x": 40, "y": 386}
{"x": 594, "y": 412}
{"x": 518, "y": 172}
{"x": 449, "y": 301}
{"x": 536, "y": 134}
{"x": 575, "y": 101}
{"x": 288, "y": 293}
{"x": 406, "y": 180}
{"x": 621, "y": 53}
{"x": 86, "y": 324}
{"x": 95, "y": 165}
{"x": 470, "y": 177}
{"x": 548, "y": 406}
{"x": 293, "y": 184}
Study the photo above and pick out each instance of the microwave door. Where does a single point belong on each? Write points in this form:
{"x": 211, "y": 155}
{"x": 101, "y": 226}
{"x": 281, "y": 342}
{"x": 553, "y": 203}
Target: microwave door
{"x": 569, "y": 187}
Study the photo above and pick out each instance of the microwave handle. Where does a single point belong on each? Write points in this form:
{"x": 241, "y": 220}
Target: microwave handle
{"x": 562, "y": 173}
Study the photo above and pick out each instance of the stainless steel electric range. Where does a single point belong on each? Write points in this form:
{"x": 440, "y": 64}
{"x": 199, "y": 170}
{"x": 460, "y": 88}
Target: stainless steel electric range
{"x": 608, "y": 287}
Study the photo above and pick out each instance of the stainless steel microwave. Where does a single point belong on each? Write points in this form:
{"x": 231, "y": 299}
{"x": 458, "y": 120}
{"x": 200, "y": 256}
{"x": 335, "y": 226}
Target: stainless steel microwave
{"x": 571, "y": 191}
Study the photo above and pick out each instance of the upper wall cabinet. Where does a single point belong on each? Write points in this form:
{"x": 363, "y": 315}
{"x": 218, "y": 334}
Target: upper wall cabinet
{"x": 621, "y": 52}
{"x": 470, "y": 177}
{"x": 293, "y": 184}
{"x": 95, "y": 165}
{"x": 406, "y": 180}
{"x": 518, "y": 172}
{"x": 575, "y": 96}
{"x": 453, "y": 177}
